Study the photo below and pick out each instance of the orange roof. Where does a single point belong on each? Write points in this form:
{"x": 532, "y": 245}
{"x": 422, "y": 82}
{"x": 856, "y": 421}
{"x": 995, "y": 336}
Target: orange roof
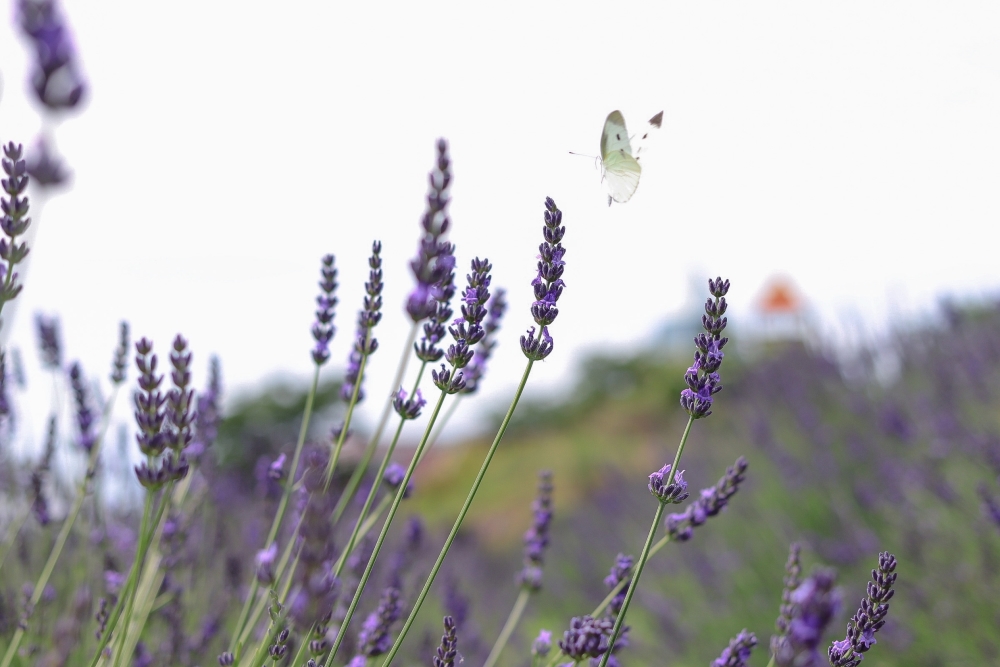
{"x": 780, "y": 297}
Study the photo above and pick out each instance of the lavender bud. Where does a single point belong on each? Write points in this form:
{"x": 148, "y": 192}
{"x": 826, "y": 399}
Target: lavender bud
{"x": 276, "y": 470}
{"x": 587, "y": 637}
{"x": 226, "y": 659}
{"x": 672, "y": 493}
{"x": 45, "y": 166}
{"x": 542, "y": 644}
{"x": 710, "y": 502}
{"x": 737, "y": 654}
{"x": 427, "y": 267}
{"x": 49, "y": 341}
{"x": 149, "y": 414}
{"x": 536, "y": 349}
{"x": 702, "y": 378}
{"x": 448, "y": 650}
{"x": 537, "y": 537}
{"x": 394, "y": 475}
{"x": 620, "y": 571}
{"x": 323, "y": 329}
{"x": 265, "y": 564}
{"x": 84, "y": 415}
{"x": 120, "y": 364}
{"x": 408, "y": 408}
{"x": 869, "y": 618}
{"x": 447, "y": 381}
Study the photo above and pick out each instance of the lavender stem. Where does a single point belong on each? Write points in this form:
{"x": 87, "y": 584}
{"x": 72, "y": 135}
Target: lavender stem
{"x": 508, "y": 628}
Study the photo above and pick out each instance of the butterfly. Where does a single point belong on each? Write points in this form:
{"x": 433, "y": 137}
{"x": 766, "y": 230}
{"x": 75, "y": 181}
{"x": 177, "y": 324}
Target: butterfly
{"x": 620, "y": 168}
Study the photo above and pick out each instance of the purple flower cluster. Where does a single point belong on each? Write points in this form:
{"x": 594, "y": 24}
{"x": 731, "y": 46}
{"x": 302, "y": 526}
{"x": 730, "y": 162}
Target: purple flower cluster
{"x": 670, "y": 493}
{"x": 869, "y": 618}
{"x": 466, "y": 330}
{"x": 793, "y": 579}
{"x": 39, "y": 503}
{"x": 408, "y": 407}
{"x": 119, "y": 370}
{"x": 815, "y": 603}
{"x": 710, "y": 502}
{"x": 365, "y": 344}
{"x": 448, "y": 650}
{"x": 434, "y": 328}
{"x": 431, "y": 264}
{"x": 587, "y": 637}
{"x": 155, "y": 433}
{"x": 548, "y": 284}
{"x": 45, "y": 167}
{"x": 620, "y": 571}
{"x": 323, "y": 329}
{"x": 56, "y": 77}
{"x": 542, "y": 644}
{"x": 84, "y": 415}
{"x": 702, "y": 378}
{"x": 737, "y": 654}
{"x": 394, "y": 475}
{"x": 537, "y": 537}
{"x": 374, "y": 639}
{"x": 477, "y": 367}
{"x": 180, "y": 398}
{"x": 49, "y": 341}
{"x": 14, "y": 219}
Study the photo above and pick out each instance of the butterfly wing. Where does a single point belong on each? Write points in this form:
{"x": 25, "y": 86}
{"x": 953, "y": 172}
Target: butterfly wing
{"x": 614, "y": 138}
{"x": 642, "y": 143}
{"x": 621, "y": 170}
{"x": 621, "y": 176}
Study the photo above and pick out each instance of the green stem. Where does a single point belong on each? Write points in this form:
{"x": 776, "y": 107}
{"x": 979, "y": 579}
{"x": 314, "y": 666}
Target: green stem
{"x": 335, "y": 455}
{"x": 441, "y": 424}
{"x": 13, "y": 530}
{"x": 460, "y": 519}
{"x": 282, "y": 504}
{"x": 508, "y": 627}
{"x": 644, "y": 556}
{"x": 140, "y": 555}
{"x": 385, "y": 530}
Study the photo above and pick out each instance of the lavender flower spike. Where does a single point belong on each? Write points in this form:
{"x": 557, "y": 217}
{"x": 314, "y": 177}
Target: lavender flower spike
{"x": 737, "y": 654}
{"x": 815, "y": 603}
{"x": 14, "y": 219}
{"x": 374, "y": 639}
{"x": 323, "y": 329}
{"x": 84, "y": 415}
{"x": 56, "y": 77}
{"x": 793, "y": 579}
{"x": 710, "y": 502}
{"x": 467, "y": 330}
{"x": 426, "y": 267}
{"x": 869, "y": 618}
{"x": 443, "y": 291}
{"x": 364, "y": 343}
{"x": 702, "y": 377}
{"x": 49, "y": 343}
{"x": 673, "y": 493}
{"x": 537, "y": 537}
{"x": 548, "y": 284}
{"x": 120, "y": 365}
{"x": 620, "y": 571}
{"x": 448, "y": 650}
{"x": 477, "y": 367}
{"x": 587, "y": 637}
{"x": 408, "y": 408}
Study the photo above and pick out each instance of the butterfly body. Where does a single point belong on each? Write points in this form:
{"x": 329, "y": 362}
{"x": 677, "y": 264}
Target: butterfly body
{"x": 620, "y": 169}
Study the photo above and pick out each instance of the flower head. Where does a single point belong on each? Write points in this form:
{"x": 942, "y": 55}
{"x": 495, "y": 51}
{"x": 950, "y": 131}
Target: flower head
{"x": 542, "y": 644}
{"x": 55, "y": 77}
{"x": 365, "y": 343}
{"x": 620, "y": 571}
{"x": 869, "y": 618}
{"x": 548, "y": 283}
{"x": 448, "y": 650}
{"x": 374, "y": 638}
{"x": 537, "y": 537}
{"x": 667, "y": 490}
{"x": 49, "y": 342}
{"x": 702, "y": 378}
{"x": 587, "y": 637}
{"x": 466, "y": 330}
{"x": 326, "y": 302}
{"x": 710, "y": 502}
{"x": 394, "y": 476}
{"x": 477, "y": 367}
{"x": 427, "y": 267}
{"x": 408, "y": 407}
{"x": 737, "y": 654}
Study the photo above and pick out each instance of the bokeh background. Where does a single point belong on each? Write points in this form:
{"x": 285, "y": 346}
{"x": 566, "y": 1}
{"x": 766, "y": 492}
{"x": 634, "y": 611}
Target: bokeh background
{"x": 836, "y": 161}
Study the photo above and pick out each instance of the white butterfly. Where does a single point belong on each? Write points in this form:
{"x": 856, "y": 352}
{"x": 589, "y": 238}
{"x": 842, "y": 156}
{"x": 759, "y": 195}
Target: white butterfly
{"x": 620, "y": 168}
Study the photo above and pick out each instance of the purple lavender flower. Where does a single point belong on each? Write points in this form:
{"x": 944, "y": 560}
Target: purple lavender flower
{"x": 737, "y": 654}
{"x": 46, "y": 167}
{"x": 156, "y": 431}
{"x": 620, "y": 571}
{"x": 587, "y": 637}
{"x": 407, "y": 407}
{"x": 436, "y": 325}
{"x": 278, "y": 649}
{"x": 5, "y": 408}
{"x": 548, "y": 284}
{"x": 226, "y": 659}
{"x": 466, "y": 330}
{"x": 815, "y": 603}
{"x": 537, "y": 537}
{"x": 56, "y": 76}
{"x": 276, "y": 470}
{"x": 207, "y": 417}
{"x": 180, "y": 398}
{"x": 542, "y": 644}
{"x": 710, "y": 502}
{"x": 39, "y": 503}
{"x": 14, "y": 220}
{"x": 49, "y": 341}
{"x": 620, "y": 643}
{"x": 84, "y": 415}
{"x": 323, "y": 328}
{"x": 793, "y": 579}
{"x": 365, "y": 344}
{"x": 869, "y": 618}
{"x": 394, "y": 475}
{"x": 702, "y": 378}
{"x": 149, "y": 414}
{"x": 477, "y": 367}
{"x": 426, "y": 267}
{"x": 265, "y": 564}
{"x": 673, "y": 493}
{"x": 120, "y": 364}
{"x": 448, "y": 650}
{"x": 374, "y": 638}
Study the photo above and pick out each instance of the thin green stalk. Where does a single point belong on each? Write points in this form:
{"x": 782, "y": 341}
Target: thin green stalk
{"x": 335, "y": 455}
{"x": 460, "y": 519}
{"x": 13, "y": 530}
{"x": 282, "y": 504}
{"x": 441, "y": 424}
{"x": 385, "y": 529}
{"x": 140, "y": 554}
{"x": 644, "y": 556}
{"x": 515, "y": 615}
{"x": 368, "y": 501}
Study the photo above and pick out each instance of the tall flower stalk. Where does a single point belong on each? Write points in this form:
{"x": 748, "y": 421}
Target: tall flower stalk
{"x": 548, "y": 286}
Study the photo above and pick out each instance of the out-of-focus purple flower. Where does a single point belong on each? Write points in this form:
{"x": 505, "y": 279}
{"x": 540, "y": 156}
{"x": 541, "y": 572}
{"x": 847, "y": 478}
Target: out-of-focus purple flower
{"x": 394, "y": 475}
{"x": 149, "y": 400}
{"x": 119, "y": 369}
{"x": 737, "y": 654}
{"x": 991, "y": 507}
{"x": 710, "y": 502}
{"x": 448, "y": 649}
{"x": 84, "y": 415}
{"x": 226, "y": 659}
{"x": 620, "y": 571}
{"x": 477, "y": 367}
{"x": 276, "y": 470}
{"x": 374, "y": 638}
{"x": 587, "y": 637}
{"x": 620, "y": 643}
{"x": 466, "y": 330}
{"x": 207, "y": 416}
{"x": 793, "y": 579}
{"x": 5, "y": 408}
{"x": 46, "y": 167}
{"x": 113, "y": 581}
{"x": 815, "y": 602}
{"x": 426, "y": 267}
{"x": 180, "y": 398}
{"x": 406, "y": 407}
{"x": 668, "y": 493}
{"x": 542, "y": 644}
{"x": 548, "y": 284}
{"x": 365, "y": 343}
{"x": 323, "y": 329}
{"x": 265, "y": 564}
{"x": 49, "y": 341}
{"x": 14, "y": 219}
{"x": 702, "y": 378}
{"x": 278, "y": 649}
{"x": 56, "y": 77}
{"x": 151, "y": 418}
{"x": 869, "y": 618}
{"x": 427, "y": 349}
{"x": 537, "y": 537}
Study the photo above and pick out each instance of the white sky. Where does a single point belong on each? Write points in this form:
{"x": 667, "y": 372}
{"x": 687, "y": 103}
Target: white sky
{"x": 854, "y": 146}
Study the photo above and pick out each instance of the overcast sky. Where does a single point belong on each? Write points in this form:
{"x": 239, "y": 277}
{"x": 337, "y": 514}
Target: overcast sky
{"x": 225, "y": 147}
